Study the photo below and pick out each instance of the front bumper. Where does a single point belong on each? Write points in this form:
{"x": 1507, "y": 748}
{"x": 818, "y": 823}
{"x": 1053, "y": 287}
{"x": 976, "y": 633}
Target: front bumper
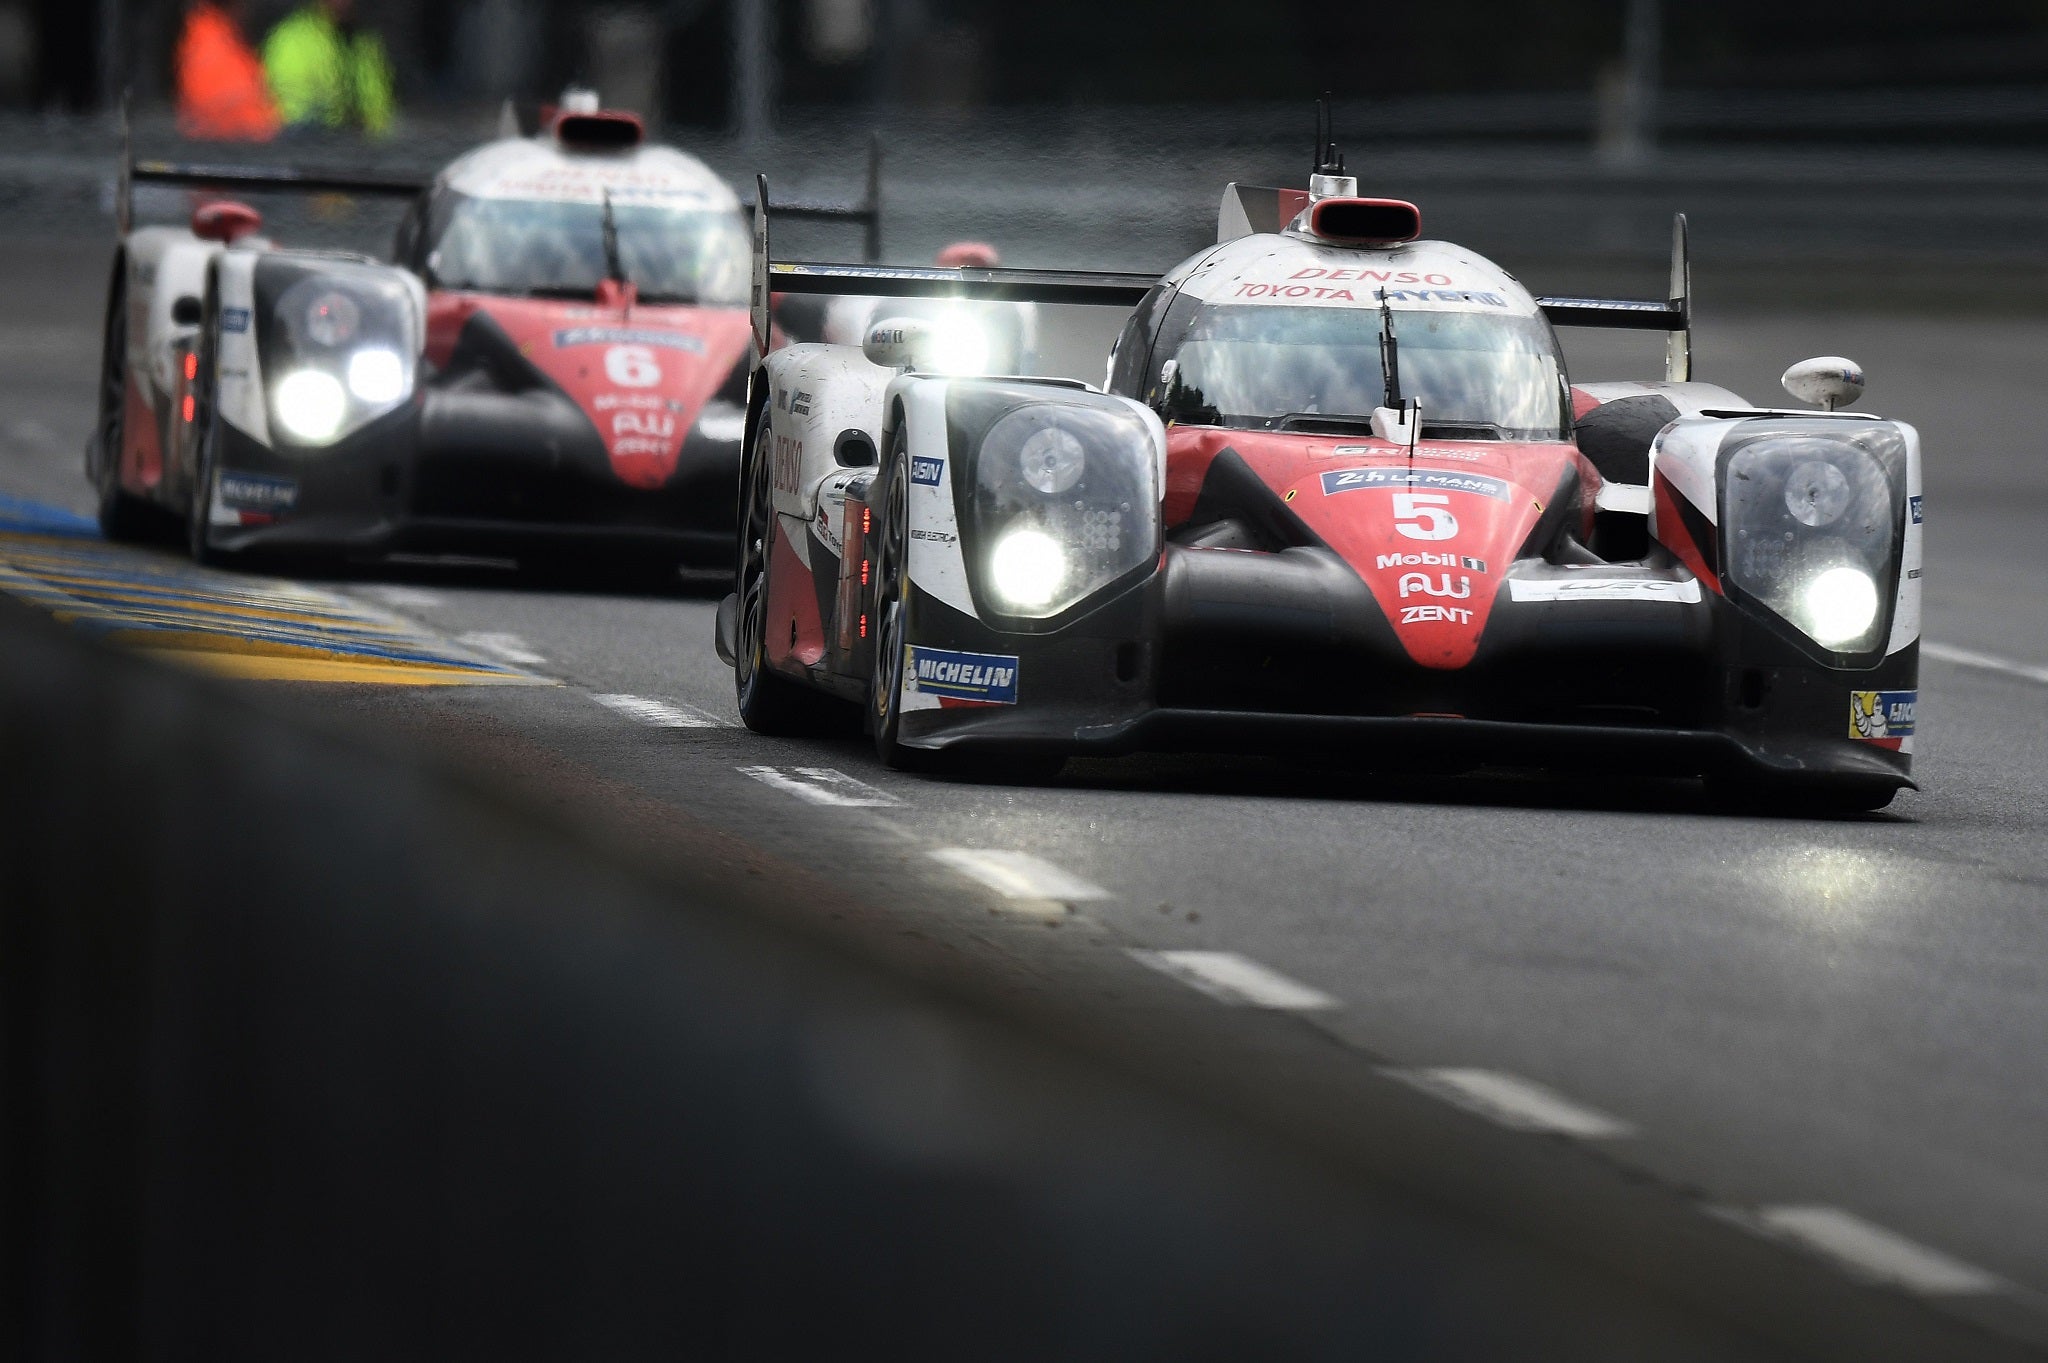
{"x": 487, "y": 474}
{"x": 1289, "y": 654}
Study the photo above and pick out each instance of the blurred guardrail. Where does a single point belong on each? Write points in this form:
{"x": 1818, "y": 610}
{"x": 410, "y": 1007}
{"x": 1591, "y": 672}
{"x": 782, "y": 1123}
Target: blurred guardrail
{"x": 1515, "y": 176}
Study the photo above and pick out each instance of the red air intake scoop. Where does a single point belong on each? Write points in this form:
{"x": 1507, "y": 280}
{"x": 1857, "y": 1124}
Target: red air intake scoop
{"x": 605, "y": 130}
{"x": 1365, "y": 222}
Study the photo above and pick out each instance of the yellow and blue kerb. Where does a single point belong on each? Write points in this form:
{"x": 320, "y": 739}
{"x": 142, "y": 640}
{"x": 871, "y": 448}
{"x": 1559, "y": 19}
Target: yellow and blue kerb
{"x": 229, "y": 624}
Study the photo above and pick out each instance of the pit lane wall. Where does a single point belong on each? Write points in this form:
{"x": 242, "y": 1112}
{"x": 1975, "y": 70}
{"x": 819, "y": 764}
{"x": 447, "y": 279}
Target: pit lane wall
{"x": 312, "y": 1050}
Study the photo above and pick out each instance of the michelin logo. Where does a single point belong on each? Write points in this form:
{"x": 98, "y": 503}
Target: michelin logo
{"x": 964, "y": 676}
{"x": 258, "y": 492}
{"x": 1882, "y": 714}
{"x": 927, "y": 471}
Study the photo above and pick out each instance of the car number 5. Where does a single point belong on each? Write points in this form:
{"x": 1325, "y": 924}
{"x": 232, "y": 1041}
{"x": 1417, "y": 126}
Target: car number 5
{"x": 632, "y": 366}
{"x": 1421, "y": 516}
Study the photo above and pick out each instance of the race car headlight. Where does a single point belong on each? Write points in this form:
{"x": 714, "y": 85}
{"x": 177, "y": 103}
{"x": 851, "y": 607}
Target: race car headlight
{"x": 958, "y": 345}
{"x": 1812, "y": 516}
{"x": 310, "y": 405}
{"x": 376, "y": 376}
{"x": 1064, "y": 494}
{"x": 1837, "y": 606}
{"x": 338, "y": 341}
{"x": 1027, "y": 568}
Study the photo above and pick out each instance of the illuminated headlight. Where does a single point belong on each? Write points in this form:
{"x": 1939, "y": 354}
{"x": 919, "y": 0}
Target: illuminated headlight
{"x": 1812, "y": 515}
{"x": 1027, "y": 568}
{"x": 958, "y": 346}
{"x": 376, "y": 376}
{"x": 337, "y": 341}
{"x": 1066, "y": 494}
{"x": 311, "y": 406}
{"x": 1838, "y": 606}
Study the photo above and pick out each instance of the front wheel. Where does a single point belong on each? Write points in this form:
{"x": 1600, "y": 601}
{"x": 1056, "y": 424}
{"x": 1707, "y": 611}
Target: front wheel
{"x": 205, "y": 438}
{"x": 121, "y": 516}
{"x": 768, "y": 703}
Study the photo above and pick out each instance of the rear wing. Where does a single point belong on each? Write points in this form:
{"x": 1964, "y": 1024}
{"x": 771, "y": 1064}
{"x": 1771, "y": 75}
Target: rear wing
{"x": 867, "y": 214}
{"x": 1100, "y": 287}
{"x": 1672, "y": 316}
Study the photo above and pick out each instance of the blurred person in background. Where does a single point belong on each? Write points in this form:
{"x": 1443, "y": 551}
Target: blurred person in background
{"x": 222, "y": 93}
{"x": 327, "y": 72}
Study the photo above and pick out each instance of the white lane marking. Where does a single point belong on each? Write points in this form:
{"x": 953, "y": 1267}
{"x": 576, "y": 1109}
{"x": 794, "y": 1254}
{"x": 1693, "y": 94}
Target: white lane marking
{"x": 661, "y": 714}
{"x": 822, "y": 786}
{"x": 407, "y": 598}
{"x": 1514, "y": 1102}
{"x": 1232, "y": 979}
{"x": 510, "y": 647}
{"x": 1989, "y": 662}
{"x": 1018, "y": 875}
{"x": 1868, "y": 1251}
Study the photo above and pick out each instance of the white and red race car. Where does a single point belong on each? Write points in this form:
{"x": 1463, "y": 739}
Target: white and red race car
{"x": 553, "y": 366}
{"x": 1338, "y": 496}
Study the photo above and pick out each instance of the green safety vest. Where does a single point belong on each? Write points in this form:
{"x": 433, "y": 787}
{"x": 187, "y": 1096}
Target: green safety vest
{"x": 319, "y": 77}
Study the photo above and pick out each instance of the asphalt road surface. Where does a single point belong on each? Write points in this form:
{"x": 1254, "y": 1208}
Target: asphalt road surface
{"x": 1828, "y": 1035}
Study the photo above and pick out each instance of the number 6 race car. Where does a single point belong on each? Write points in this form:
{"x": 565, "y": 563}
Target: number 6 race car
{"x": 553, "y": 368}
{"x": 1339, "y": 495}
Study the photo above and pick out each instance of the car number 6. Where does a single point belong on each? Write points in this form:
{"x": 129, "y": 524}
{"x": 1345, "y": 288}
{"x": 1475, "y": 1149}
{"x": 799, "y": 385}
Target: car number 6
{"x": 1421, "y": 516}
{"x": 632, "y": 366}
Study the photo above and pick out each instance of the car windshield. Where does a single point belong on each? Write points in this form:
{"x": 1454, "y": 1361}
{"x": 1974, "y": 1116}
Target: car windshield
{"x": 549, "y": 247}
{"x": 1258, "y": 366}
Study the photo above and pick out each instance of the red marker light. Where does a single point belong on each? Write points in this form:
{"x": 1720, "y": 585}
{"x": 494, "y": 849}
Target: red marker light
{"x": 867, "y": 520}
{"x": 191, "y": 366}
{"x": 863, "y": 572}
{"x": 189, "y": 407}
{"x": 863, "y": 625}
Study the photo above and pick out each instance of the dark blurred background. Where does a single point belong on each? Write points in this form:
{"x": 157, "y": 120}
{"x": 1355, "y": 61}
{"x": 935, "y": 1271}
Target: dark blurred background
{"x": 1904, "y": 70}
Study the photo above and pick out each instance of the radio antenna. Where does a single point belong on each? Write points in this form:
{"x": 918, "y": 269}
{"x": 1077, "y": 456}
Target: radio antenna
{"x": 1328, "y": 161}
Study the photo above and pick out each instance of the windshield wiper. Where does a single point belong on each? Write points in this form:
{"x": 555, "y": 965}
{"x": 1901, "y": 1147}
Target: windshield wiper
{"x": 1390, "y": 353}
{"x": 1337, "y": 423}
{"x": 613, "y": 268}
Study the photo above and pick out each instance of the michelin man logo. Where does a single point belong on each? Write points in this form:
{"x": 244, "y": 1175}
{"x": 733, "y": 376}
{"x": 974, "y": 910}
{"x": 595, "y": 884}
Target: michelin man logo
{"x": 1882, "y": 714}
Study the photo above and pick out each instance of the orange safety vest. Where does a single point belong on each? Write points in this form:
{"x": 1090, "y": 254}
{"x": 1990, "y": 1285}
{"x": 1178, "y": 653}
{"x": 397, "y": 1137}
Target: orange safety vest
{"x": 221, "y": 90}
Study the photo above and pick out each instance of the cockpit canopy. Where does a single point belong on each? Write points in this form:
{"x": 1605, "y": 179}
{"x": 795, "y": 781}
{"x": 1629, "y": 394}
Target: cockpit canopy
{"x": 525, "y": 216}
{"x": 555, "y": 248}
{"x": 1279, "y": 330}
{"x": 1480, "y": 375}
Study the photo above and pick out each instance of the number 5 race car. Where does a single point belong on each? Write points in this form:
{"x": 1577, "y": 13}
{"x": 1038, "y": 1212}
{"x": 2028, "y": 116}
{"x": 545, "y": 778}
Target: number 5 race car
{"x": 553, "y": 368}
{"x": 1339, "y": 495}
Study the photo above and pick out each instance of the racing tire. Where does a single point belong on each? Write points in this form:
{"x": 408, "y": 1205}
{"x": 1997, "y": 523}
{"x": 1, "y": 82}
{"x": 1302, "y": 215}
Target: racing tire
{"x": 205, "y": 445}
{"x": 885, "y": 685}
{"x": 122, "y": 517}
{"x": 892, "y": 604}
{"x": 768, "y": 702}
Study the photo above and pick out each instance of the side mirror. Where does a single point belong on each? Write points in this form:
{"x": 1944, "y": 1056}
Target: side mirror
{"x": 1827, "y": 382}
{"x": 936, "y": 345}
{"x": 897, "y": 342}
{"x": 187, "y": 311}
